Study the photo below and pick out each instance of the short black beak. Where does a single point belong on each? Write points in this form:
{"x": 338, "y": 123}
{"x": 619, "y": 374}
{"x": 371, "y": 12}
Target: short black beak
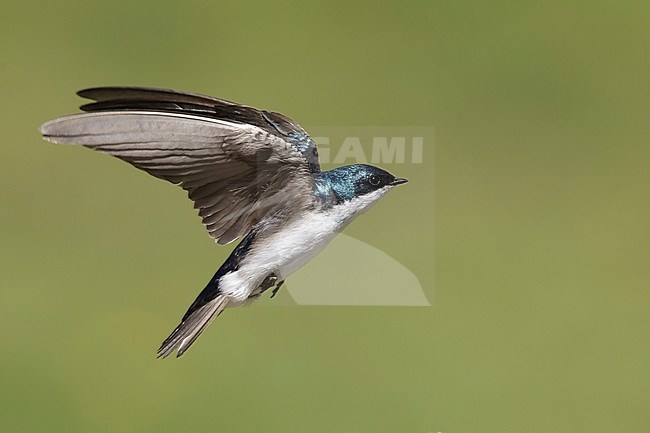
{"x": 398, "y": 180}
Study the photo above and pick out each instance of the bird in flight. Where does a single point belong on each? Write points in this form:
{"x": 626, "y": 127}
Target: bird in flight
{"x": 252, "y": 174}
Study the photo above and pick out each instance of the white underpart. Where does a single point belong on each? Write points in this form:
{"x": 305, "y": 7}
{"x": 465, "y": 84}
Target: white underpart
{"x": 285, "y": 251}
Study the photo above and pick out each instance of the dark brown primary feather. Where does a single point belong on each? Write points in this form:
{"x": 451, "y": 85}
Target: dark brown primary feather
{"x": 236, "y": 173}
{"x": 148, "y": 98}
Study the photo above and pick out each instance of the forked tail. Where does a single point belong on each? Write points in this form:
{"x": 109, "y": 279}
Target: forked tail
{"x": 191, "y": 327}
{"x": 206, "y": 306}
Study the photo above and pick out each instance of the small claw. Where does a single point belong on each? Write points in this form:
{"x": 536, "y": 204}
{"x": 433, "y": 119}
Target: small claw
{"x": 275, "y": 290}
{"x": 268, "y": 283}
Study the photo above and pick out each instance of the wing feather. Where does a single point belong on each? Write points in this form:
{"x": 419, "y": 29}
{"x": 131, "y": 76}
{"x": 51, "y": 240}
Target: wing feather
{"x": 232, "y": 171}
{"x": 154, "y": 99}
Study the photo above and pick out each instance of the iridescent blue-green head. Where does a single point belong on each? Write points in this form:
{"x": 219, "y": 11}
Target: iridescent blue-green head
{"x": 351, "y": 181}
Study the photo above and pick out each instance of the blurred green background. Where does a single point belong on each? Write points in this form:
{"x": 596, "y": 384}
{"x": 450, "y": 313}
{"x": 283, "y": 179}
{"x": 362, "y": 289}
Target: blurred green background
{"x": 535, "y": 255}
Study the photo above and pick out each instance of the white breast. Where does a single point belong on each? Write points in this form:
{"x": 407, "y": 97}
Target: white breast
{"x": 284, "y": 251}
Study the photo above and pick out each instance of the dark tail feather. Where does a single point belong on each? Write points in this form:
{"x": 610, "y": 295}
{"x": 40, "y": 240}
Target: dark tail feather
{"x": 191, "y": 327}
{"x": 207, "y": 305}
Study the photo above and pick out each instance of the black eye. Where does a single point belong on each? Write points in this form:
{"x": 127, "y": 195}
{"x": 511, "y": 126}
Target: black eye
{"x": 374, "y": 180}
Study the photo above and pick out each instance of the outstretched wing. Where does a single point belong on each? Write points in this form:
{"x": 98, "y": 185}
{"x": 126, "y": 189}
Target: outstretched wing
{"x": 236, "y": 172}
{"x": 149, "y": 98}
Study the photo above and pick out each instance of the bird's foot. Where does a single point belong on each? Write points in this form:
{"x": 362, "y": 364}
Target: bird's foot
{"x": 268, "y": 282}
{"x": 277, "y": 287}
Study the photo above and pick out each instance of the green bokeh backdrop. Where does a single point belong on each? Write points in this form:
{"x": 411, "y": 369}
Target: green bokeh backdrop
{"x": 535, "y": 254}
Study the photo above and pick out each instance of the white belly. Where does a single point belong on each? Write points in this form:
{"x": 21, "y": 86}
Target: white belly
{"x": 283, "y": 252}
{"x": 306, "y": 240}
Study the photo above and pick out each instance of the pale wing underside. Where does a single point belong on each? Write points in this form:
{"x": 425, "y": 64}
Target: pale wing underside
{"x": 235, "y": 173}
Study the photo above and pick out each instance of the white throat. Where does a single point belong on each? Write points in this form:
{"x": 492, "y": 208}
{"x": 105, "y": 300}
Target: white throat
{"x": 347, "y": 211}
